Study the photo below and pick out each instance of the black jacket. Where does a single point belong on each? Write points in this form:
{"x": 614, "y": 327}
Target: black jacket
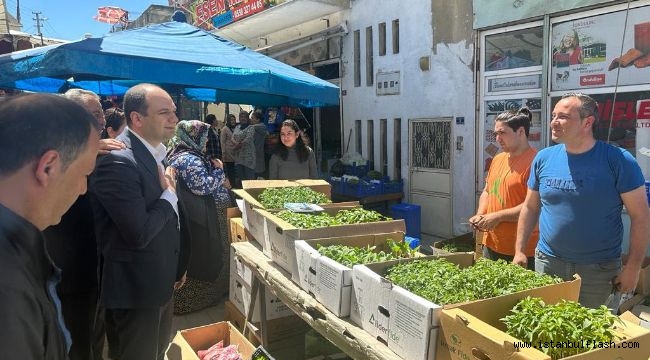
{"x": 28, "y": 315}
{"x": 137, "y": 232}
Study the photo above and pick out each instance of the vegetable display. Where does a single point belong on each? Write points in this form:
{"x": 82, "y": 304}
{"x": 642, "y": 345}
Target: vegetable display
{"x": 535, "y": 322}
{"x": 343, "y": 217}
{"x": 350, "y": 255}
{"x": 442, "y": 282}
{"x": 458, "y": 246}
{"x": 275, "y": 198}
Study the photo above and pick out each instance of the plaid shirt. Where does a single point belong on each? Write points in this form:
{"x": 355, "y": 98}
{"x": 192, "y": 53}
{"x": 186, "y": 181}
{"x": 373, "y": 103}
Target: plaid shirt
{"x": 214, "y": 145}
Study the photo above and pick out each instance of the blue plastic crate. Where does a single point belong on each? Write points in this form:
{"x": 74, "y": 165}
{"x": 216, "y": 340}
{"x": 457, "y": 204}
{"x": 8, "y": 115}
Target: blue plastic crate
{"x": 362, "y": 188}
{"x": 389, "y": 187}
{"x": 337, "y": 184}
{"x": 356, "y": 170}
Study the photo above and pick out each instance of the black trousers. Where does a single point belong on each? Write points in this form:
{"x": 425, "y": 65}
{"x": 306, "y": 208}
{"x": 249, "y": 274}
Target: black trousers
{"x": 86, "y": 326}
{"x": 142, "y": 333}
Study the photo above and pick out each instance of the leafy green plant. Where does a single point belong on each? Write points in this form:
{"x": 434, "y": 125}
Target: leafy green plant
{"x": 307, "y": 221}
{"x": 359, "y": 215}
{"x": 350, "y": 255}
{"x": 442, "y": 282}
{"x": 458, "y": 246}
{"x": 343, "y": 217}
{"x": 275, "y": 198}
{"x": 533, "y": 321}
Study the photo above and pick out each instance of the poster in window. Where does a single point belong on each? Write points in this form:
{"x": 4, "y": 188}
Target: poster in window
{"x": 586, "y": 52}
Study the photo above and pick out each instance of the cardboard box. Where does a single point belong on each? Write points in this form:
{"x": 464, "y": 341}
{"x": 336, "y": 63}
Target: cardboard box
{"x": 240, "y": 296}
{"x": 240, "y": 269}
{"x": 250, "y": 191}
{"x": 282, "y": 235}
{"x": 238, "y": 232}
{"x": 643, "y": 286}
{"x": 328, "y": 281}
{"x": 408, "y": 323}
{"x": 188, "y": 342}
{"x": 480, "y": 335}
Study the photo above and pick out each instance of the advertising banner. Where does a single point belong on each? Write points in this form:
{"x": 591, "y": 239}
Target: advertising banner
{"x": 601, "y": 51}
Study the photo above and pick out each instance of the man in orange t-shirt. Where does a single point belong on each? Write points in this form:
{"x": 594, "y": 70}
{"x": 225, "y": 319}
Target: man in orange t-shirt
{"x": 505, "y": 188}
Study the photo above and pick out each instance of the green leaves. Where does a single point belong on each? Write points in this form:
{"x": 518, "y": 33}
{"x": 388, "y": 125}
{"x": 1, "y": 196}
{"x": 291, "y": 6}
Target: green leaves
{"x": 275, "y": 198}
{"x": 343, "y": 217}
{"x": 567, "y": 321}
{"x": 442, "y": 282}
{"x": 350, "y": 256}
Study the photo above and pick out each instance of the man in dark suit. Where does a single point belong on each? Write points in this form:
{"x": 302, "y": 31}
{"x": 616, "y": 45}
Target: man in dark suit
{"x": 136, "y": 219}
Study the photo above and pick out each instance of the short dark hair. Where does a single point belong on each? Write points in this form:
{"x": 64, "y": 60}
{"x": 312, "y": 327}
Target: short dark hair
{"x": 515, "y": 119}
{"x": 33, "y": 124}
{"x": 135, "y": 99}
{"x": 210, "y": 119}
{"x": 114, "y": 119}
{"x": 588, "y": 106}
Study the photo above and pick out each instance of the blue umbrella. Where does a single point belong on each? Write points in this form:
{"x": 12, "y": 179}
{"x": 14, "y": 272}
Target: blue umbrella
{"x": 174, "y": 55}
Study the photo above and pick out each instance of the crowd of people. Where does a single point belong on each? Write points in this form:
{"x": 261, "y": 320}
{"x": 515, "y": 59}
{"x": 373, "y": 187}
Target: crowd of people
{"x": 109, "y": 219}
{"x": 113, "y": 220}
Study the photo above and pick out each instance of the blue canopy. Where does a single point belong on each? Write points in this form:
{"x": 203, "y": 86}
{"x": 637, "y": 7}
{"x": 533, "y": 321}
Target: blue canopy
{"x": 175, "y": 55}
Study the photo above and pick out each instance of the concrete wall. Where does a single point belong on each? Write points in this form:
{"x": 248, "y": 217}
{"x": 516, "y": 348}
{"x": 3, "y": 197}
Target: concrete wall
{"x": 427, "y": 32}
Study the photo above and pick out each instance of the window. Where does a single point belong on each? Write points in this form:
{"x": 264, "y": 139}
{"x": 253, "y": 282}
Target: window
{"x": 357, "y": 132}
{"x": 383, "y": 156}
{"x": 382, "y": 39}
{"x": 371, "y": 144}
{"x": 357, "y": 58}
{"x": 396, "y": 36}
{"x": 369, "y": 63}
{"x": 514, "y": 49}
{"x": 397, "y": 145}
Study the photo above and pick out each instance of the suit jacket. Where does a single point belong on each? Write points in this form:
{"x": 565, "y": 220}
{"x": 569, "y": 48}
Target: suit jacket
{"x": 137, "y": 232}
{"x": 72, "y": 246}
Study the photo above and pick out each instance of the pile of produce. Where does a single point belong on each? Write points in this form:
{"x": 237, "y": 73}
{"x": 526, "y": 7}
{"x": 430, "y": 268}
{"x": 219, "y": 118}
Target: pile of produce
{"x": 219, "y": 352}
{"x": 275, "y": 198}
{"x": 442, "y": 282}
{"x": 343, "y": 217}
{"x": 535, "y": 322}
{"x": 350, "y": 255}
{"x": 458, "y": 246}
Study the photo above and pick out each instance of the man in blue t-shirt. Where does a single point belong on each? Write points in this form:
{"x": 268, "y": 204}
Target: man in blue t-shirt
{"x": 577, "y": 190}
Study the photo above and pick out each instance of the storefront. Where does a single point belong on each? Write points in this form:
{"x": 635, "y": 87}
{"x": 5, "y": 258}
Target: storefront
{"x": 602, "y": 50}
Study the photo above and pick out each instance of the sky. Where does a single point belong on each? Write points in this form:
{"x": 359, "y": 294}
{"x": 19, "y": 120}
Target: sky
{"x": 71, "y": 19}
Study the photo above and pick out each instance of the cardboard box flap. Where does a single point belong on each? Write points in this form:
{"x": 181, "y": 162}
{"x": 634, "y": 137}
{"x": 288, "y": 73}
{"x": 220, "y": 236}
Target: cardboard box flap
{"x": 187, "y": 342}
{"x": 460, "y": 330}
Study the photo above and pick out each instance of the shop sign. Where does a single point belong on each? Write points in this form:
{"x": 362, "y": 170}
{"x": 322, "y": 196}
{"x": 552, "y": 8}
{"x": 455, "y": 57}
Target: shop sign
{"x": 219, "y": 13}
{"x": 515, "y": 83}
{"x": 587, "y": 52}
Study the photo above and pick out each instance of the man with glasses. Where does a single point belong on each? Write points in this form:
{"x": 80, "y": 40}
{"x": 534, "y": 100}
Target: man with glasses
{"x": 577, "y": 190}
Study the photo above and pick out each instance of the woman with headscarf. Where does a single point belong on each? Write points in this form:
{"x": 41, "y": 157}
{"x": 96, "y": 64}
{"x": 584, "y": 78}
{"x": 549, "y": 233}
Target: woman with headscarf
{"x": 198, "y": 176}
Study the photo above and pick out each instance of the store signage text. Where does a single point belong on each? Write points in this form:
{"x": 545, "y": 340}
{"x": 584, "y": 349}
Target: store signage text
{"x": 590, "y": 80}
{"x": 514, "y": 83}
{"x": 624, "y": 111}
{"x": 247, "y": 9}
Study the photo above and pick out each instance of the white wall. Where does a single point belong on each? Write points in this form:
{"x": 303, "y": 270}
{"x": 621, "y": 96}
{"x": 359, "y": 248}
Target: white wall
{"x": 446, "y": 90}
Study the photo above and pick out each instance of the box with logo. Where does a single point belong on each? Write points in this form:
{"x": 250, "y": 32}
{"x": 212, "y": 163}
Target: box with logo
{"x": 241, "y": 280}
{"x": 475, "y": 331}
{"x": 408, "y": 323}
{"x": 327, "y": 280}
{"x": 282, "y": 235}
{"x": 250, "y": 191}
